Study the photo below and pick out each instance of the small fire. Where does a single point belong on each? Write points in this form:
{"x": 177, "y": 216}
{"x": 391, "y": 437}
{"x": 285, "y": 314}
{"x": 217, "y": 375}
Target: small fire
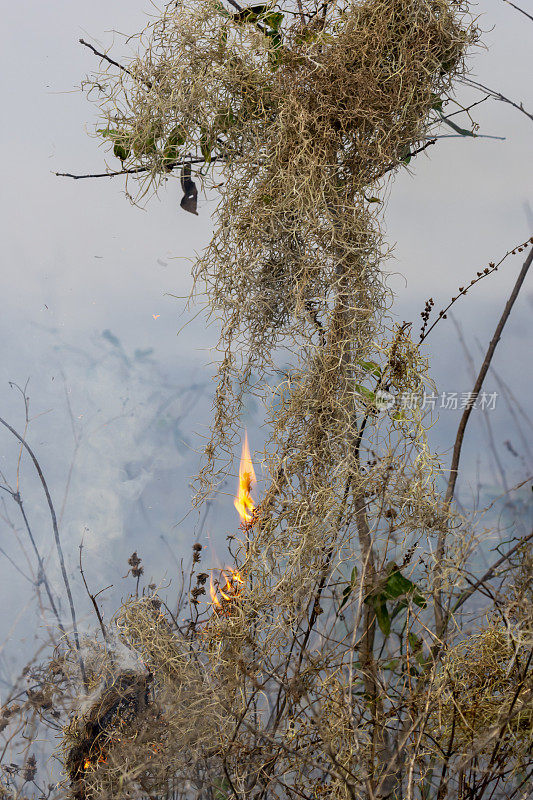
{"x": 213, "y": 592}
{"x": 87, "y": 764}
{"x": 243, "y": 501}
{"x": 231, "y": 590}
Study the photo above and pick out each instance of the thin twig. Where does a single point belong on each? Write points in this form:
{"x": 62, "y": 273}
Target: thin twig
{"x": 109, "y": 60}
{"x": 235, "y": 5}
{"x": 463, "y": 597}
{"x": 518, "y": 9}
{"x": 409, "y": 156}
{"x": 132, "y": 171}
{"x": 488, "y": 427}
{"x": 92, "y": 598}
{"x": 481, "y": 377}
{"x": 102, "y": 174}
{"x": 484, "y": 273}
{"x": 57, "y": 541}
{"x": 440, "y": 618}
{"x": 497, "y": 95}
{"x": 42, "y": 573}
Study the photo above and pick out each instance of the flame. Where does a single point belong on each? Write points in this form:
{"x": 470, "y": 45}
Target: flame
{"x": 243, "y": 501}
{"x": 231, "y": 590}
{"x": 213, "y": 592}
{"x": 87, "y": 764}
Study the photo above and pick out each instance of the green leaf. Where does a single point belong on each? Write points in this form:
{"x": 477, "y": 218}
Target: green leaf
{"x": 121, "y": 146}
{"x": 417, "y": 648}
{"x": 349, "y": 588}
{"x": 275, "y": 38}
{"x": 372, "y": 200}
{"x": 223, "y": 35}
{"x": 143, "y": 147}
{"x": 437, "y": 102}
{"x": 273, "y": 19}
{"x": 397, "y": 584}
{"x": 177, "y": 137}
{"x": 108, "y": 132}
{"x": 171, "y": 152}
{"x": 275, "y": 53}
{"x": 206, "y": 145}
{"x": 224, "y": 119}
{"x": 392, "y": 664}
{"x": 249, "y": 14}
{"x": 223, "y": 10}
{"x": 365, "y": 392}
{"x": 307, "y": 35}
{"x": 398, "y": 415}
{"x": 121, "y": 151}
{"x": 345, "y": 596}
{"x": 379, "y": 604}
{"x": 405, "y": 154}
{"x": 400, "y": 605}
{"x": 371, "y": 366}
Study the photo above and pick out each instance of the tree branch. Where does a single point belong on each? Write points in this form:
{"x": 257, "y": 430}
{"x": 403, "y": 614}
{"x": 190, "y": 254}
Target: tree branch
{"x": 101, "y": 174}
{"x": 132, "y": 171}
{"x": 497, "y": 95}
{"x": 148, "y": 84}
{"x": 518, "y": 9}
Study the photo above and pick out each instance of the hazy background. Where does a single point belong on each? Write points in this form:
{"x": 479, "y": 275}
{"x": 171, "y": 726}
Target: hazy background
{"x": 120, "y": 403}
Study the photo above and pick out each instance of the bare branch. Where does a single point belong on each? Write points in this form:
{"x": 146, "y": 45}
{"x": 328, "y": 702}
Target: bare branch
{"x": 132, "y": 171}
{"x": 57, "y": 541}
{"x": 109, "y": 60}
{"x": 493, "y": 267}
{"x": 440, "y": 617}
{"x": 497, "y": 96}
{"x": 519, "y": 9}
{"x": 481, "y": 377}
{"x": 102, "y": 174}
{"x": 487, "y": 575}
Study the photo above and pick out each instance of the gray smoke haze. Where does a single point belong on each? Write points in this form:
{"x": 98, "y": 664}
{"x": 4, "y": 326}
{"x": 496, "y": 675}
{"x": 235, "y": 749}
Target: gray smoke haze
{"x": 92, "y": 302}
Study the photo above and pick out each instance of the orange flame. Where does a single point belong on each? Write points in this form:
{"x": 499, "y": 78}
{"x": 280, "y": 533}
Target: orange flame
{"x": 87, "y": 764}
{"x": 231, "y": 590}
{"x": 243, "y": 501}
{"x": 213, "y": 592}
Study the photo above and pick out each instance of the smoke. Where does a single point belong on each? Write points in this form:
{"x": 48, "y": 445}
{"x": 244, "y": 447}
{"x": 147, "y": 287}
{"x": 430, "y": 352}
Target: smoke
{"x": 109, "y": 428}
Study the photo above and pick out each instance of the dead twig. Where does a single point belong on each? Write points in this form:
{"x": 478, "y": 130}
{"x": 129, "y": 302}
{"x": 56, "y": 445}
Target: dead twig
{"x": 57, "y": 541}
{"x": 440, "y": 618}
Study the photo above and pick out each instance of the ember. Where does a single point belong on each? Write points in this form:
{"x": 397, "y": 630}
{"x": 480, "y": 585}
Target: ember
{"x": 88, "y": 763}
